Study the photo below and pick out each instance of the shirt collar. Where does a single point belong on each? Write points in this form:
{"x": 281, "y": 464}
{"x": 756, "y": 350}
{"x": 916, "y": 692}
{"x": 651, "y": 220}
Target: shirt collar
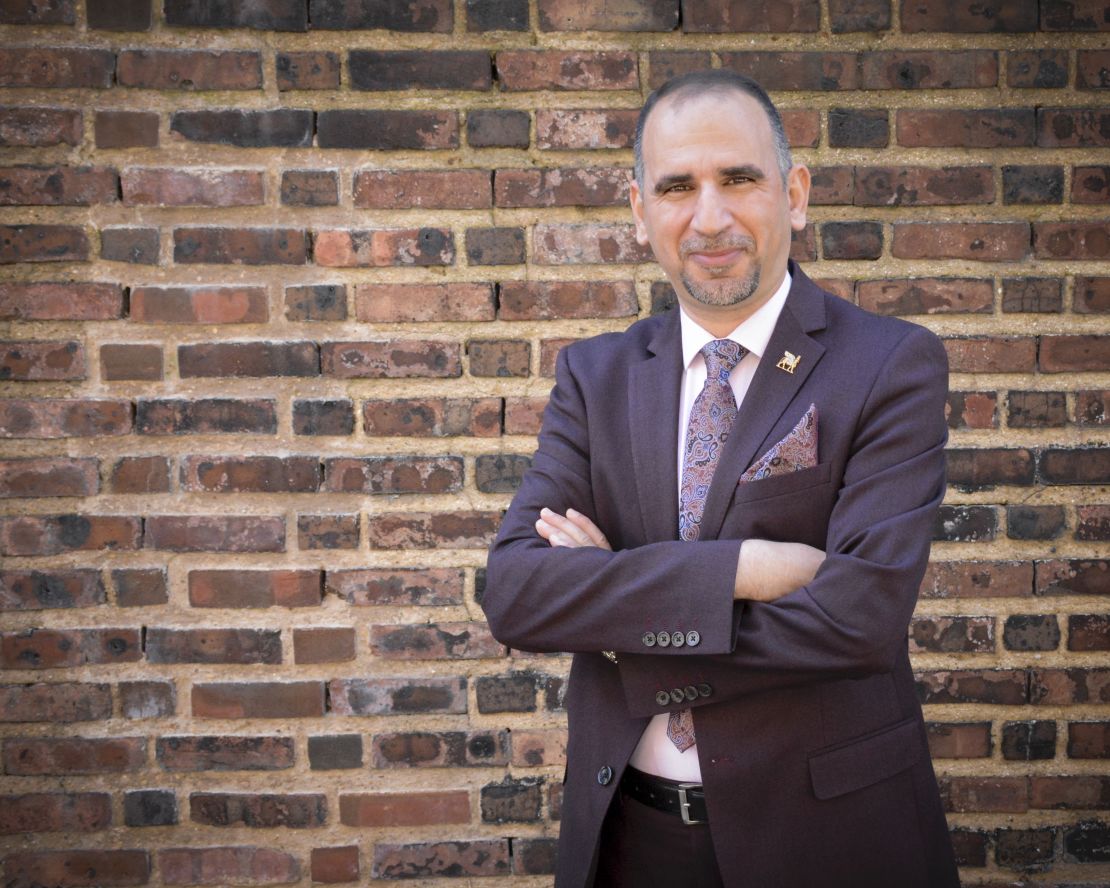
{"x": 753, "y": 333}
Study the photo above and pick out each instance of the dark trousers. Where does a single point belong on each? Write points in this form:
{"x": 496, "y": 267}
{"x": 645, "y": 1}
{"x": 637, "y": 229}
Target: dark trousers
{"x": 642, "y": 847}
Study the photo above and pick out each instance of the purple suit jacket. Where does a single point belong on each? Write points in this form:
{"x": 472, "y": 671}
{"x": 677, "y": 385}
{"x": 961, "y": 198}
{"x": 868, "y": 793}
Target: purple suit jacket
{"x": 810, "y": 735}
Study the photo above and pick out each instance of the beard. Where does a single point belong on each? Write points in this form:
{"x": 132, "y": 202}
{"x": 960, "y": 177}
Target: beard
{"x": 723, "y": 291}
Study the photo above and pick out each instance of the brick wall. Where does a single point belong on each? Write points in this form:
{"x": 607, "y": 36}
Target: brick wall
{"x": 283, "y": 283}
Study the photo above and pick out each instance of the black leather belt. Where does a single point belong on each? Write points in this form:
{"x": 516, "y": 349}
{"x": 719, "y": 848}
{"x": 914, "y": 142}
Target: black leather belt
{"x": 685, "y": 800}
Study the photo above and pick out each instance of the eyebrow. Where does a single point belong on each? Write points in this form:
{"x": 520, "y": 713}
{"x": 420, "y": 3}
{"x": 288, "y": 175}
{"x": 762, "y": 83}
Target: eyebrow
{"x": 746, "y": 169}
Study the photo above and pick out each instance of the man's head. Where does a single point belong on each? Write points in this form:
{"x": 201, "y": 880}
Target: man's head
{"x": 716, "y": 195}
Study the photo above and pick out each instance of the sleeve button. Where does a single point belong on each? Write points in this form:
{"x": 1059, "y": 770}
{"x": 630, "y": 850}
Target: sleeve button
{"x": 677, "y": 639}
{"x": 678, "y": 695}
{"x": 662, "y": 698}
{"x": 663, "y": 639}
{"x": 705, "y": 689}
{"x": 693, "y": 637}
{"x": 648, "y": 639}
{"x": 691, "y": 693}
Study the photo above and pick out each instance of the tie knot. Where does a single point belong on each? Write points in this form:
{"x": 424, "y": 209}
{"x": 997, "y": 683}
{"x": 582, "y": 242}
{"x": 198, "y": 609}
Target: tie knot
{"x": 721, "y": 357}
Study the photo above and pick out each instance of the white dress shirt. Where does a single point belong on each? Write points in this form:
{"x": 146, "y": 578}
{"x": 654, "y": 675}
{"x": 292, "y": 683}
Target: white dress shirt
{"x": 655, "y": 753}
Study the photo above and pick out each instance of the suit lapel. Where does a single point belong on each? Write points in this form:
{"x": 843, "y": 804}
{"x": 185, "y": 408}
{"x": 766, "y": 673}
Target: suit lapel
{"x": 771, "y": 390}
{"x": 653, "y": 389}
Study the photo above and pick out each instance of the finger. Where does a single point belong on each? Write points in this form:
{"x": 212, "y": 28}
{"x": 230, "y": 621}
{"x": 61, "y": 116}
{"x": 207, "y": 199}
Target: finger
{"x": 592, "y": 531}
{"x": 554, "y": 536}
{"x": 567, "y": 527}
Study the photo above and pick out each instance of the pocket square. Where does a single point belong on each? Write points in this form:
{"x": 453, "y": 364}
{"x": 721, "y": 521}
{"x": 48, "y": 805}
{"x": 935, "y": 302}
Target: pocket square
{"x": 798, "y": 450}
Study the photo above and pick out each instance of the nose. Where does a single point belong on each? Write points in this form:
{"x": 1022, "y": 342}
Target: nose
{"x": 711, "y": 215}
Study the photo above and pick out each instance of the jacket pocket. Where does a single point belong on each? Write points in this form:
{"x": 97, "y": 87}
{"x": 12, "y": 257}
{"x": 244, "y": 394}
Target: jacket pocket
{"x": 858, "y": 763}
{"x": 777, "y": 485}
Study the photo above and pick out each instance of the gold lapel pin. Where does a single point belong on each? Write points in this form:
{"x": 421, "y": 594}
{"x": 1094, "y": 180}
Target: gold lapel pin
{"x": 788, "y": 362}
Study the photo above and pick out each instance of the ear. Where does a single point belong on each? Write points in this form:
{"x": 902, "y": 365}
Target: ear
{"x": 797, "y": 195}
{"x": 636, "y": 199}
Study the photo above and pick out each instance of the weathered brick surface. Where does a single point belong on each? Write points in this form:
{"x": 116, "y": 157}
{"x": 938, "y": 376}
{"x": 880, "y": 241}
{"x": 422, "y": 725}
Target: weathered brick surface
{"x": 285, "y": 283}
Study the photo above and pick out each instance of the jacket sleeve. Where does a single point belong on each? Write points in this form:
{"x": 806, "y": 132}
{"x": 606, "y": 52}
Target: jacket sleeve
{"x": 851, "y": 620}
{"x": 544, "y": 598}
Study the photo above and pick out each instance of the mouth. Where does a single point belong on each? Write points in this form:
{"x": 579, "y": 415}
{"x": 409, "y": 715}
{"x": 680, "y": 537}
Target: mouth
{"x": 716, "y": 257}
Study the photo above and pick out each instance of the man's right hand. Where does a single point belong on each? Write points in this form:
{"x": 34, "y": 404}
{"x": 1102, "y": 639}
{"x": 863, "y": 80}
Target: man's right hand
{"x": 767, "y": 570}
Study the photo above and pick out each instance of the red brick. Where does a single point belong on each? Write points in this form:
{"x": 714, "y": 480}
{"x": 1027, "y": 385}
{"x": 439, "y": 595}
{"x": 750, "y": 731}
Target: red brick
{"x": 969, "y": 16}
{"x": 394, "y": 15}
{"x": 952, "y": 634}
{"x": 126, "y": 129}
{"x": 926, "y": 295}
{"x": 139, "y": 246}
{"x": 1071, "y": 240}
{"x": 958, "y": 128}
{"x": 247, "y": 359}
{"x": 449, "y": 749}
{"x": 1036, "y": 409}
{"x": 524, "y": 415}
{"x": 404, "y": 189}
{"x": 205, "y": 416}
{"x": 536, "y": 748}
{"x": 378, "y": 70}
{"x": 975, "y": 468}
{"x": 955, "y": 740}
{"x": 327, "y": 531}
{"x": 982, "y": 241}
{"x": 1078, "y": 792}
{"x": 1008, "y": 795}
{"x": 43, "y": 67}
{"x": 199, "y": 305}
{"x": 254, "y": 588}
{"x": 972, "y": 410}
{"x": 130, "y": 361}
{"x": 404, "y": 809}
{"x": 391, "y": 359}
{"x": 498, "y": 245}
{"x": 384, "y": 247}
{"x": 1074, "y": 15}
{"x": 991, "y": 354}
{"x": 140, "y": 474}
{"x": 39, "y": 127}
{"x": 256, "y": 474}
{"x": 140, "y": 587}
{"x": 623, "y": 15}
{"x": 433, "y": 417}
{"x": 284, "y": 127}
{"x": 485, "y": 857}
{"x": 147, "y": 699}
{"x": 832, "y": 185}
{"x": 1032, "y": 295}
{"x": 66, "y": 756}
{"x": 43, "y": 243}
{"x": 573, "y": 70}
{"x": 52, "y": 534}
{"x": 307, "y": 70}
{"x": 666, "y": 64}
{"x": 49, "y": 476}
{"x": 1090, "y": 184}
{"x": 1089, "y": 632}
{"x": 977, "y": 579}
{"x": 1063, "y": 687}
{"x": 923, "y": 186}
{"x": 230, "y": 753}
{"x": 549, "y": 351}
{"x": 429, "y": 530}
{"x": 1073, "y": 128}
{"x": 549, "y": 300}
{"x": 293, "y": 810}
{"x": 321, "y": 302}
{"x": 1085, "y": 465}
{"x": 585, "y": 129}
{"x": 36, "y": 590}
{"x": 324, "y": 644}
{"x": 192, "y": 187}
{"x": 1092, "y": 523}
{"x": 42, "y": 360}
{"x": 78, "y": 867}
{"x": 189, "y": 69}
{"x": 55, "y": 702}
{"x": 53, "y": 649}
{"x": 295, "y": 699}
{"x": 570, "y": 186}
{"x": 996, "y": 686}
{"x": 1089, "y": 740}
{"x": 310, "y": 188}
{"x": 499, "y": 357}
{"x": 498, "y": 128}
{"x": 215, "y": 533}
{"x": 339, "y": 864}
{"x": 1038, "y": 68}
{"x": 1091, "y": 407}
{"x": 63, "y": 418}
{"x": 928, "y": 69}
{"x": 775, "y": 70}
{"x": 236, "y": 865}
{"x": 393, "y": 475}
{"x": 386, "y": 130}
{"x": 392, "y": 587}
{"x": 434, "y": 641}
{"x": 1092, "y": 68}
{"x": 400, "y": 303}
{"x": 590, "y": 243}
{"x": 240, "y": 246}
{"x": 1073, "y": 577}
{"x": 57, "y": 186}
{"x": 1064, "y": 354}
{"x": 733, "y": 16}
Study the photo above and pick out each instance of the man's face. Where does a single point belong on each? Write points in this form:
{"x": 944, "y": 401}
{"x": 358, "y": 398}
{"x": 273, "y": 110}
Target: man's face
{"x": 713, "y": 204}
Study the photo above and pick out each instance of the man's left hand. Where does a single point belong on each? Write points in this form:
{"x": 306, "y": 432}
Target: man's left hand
{"x": 572, "y": 530}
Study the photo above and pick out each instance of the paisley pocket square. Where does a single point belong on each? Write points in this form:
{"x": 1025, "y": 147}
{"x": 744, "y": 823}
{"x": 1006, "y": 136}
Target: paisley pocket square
{"x": 798, "y": 450}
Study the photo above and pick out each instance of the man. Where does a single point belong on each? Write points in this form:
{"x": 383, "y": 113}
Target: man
{"x": 727, "y": 521}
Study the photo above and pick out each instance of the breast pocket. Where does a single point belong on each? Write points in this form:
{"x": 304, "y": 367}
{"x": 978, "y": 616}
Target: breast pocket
{"x": 779, "y": 485}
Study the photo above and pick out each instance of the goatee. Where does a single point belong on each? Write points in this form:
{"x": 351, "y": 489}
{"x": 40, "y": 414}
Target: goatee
{"x": 727, "y": 291}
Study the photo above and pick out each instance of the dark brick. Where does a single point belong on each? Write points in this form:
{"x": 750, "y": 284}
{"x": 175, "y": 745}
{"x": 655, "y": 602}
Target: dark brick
{"x": 213, "y": 645}
{"x": 396, "y": 696}
{"x": 585, "y": 129}
{"x": 1037, "y": 68}
{"x": 501, "y": 472}
{"x": 926, "y": 295}
{"x": 1073, "y": 577}
{"x": 384, "y": 247}
{"x": 952, "y": 634}
{"x": 972, "y": 410}
{"x": 970, "y": 847}
{"x": 393, "y": 15}
{"x": 1005, "y": 687}
{"x": 969, "y": 16}
{"x": 46, "y": 67}
{"x": 319, "y": 302}
{"x": 1036, "y": 410}
{"x": 776, "y": 70}
{"x": 1064, "y": 687}
{"x": 62, "y": 648}
{"x": 78, "y": 867}
{"x": 240, "y": 246}
{"x": 323, "y": 417}
{"x": 512, "y": 801}
{"x": 39, "y": 127}
{"x": 515, "y": 692}
{"x": 496, "y": 15}
{"x": 1090, "y": 185}
{"x": 1073, "y": 128}
{"x": 393, "y": 475}
{"x": 387, "y": 130}
{"x": 27, "y": 185}
{"x": 487, "y": 857}
{"x": 534, "y": 857}
{"x": 310, "y": 188}
{"x": 979, "y": 241}
{"x": 215, "y": 533}
{"x": 43, "y": 243}
{"x": 54, "y": 534}
{"x": 55, "y": 702}
{"x": 307, "y": 70}
{"x": 557, "y": 187}
{"x": 1092, "y": 70}
{"x": 1089, "y": 632}
{"x": 227, "y": 865}
{"x": 567, "y": 70}
{"x": 140, "y": 474}
{"x": 433, "y": 417}
{"x": 248, "y": 359}
{"x": 140, "y": 246}
{"x": 616, "y": 15}
{"x": 250, "y": 474}
{"x": 1032, "y": 184}
{"x": 550, "y": 300}
{"x": 1020, "y": 848}
{"x": 1071, "y": 240}
{"x": 419, "y": 69}
{"x": 49, "y": 476}
{"x": 339, "y": 864}
{"x": 859, "y": 15}
{"x": 38, "y": 12}
{"x": 959, "y": 128}
{"x": 205, "y": 416}
{"x": 404, "y": 586}
{"x": 225, "y": 753}
{"x": 1031, "y": 632}
{"x": 405, "y": 189}
{"x": 140, "y": 587}
{"x": 666, "y": 64}
{"x": 126, "y": 129}
{"x": 498, "y": 128}
{"x": 495, "y": 246}
{"x": 273, "y": 15}
{"x": 1091, "y": 407}
{"x": 975, "y": 469}
{"x": 1092, "y": 523}
{"x": 391, "y": 359}
{"x": 189, "y": 69}
{"x": 45, "y": 359}
{"x": 37, "y": 590}
{"x": 1089, "y": 740}
{"x": 858, "y": 128}
{"x": 1032, "y": 295}
{"x": 931, "y": 69}
{"x": 332, "y": 752}
{"x": 1088, "y": 842}
{"x": 1035, "y": 522}
{"x": 147, "y": 699}
{"x": 327, "y": 531}
{"x": 118, "y": 15}
{"x": 499, "y": 357}
{"x": 731, "y": 16}
{"x": 150, "y": 807}
{"x": 281, "y": 128}
{"x": 291, "y": 810}
{"x": 67, "y": 756}
{"x": 449, "y": 749}
{"x": 1074, "y": 15}
{"x": 1080, "y": 466}
{"x": 1028, "y": 740}
{"x": 466, "y": 529}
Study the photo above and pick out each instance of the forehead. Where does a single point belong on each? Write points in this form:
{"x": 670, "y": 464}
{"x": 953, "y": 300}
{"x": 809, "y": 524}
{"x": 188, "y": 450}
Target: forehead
{"x": 727, "y": 124}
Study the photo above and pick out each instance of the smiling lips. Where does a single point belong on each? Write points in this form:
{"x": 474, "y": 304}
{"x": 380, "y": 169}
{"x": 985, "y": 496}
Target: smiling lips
{"x": 716, "y": 256}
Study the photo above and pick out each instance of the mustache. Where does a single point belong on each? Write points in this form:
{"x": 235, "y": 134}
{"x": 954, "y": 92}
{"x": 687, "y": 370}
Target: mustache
{"x": 715, "y": 244}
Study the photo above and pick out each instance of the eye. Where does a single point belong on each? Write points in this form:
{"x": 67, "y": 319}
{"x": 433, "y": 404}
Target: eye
{"x": 739, "y": 179}
{"x": 676, "y": 188}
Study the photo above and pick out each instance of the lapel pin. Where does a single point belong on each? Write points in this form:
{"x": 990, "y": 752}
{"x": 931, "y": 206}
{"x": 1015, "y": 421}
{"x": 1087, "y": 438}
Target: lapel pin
{"x": 788, "y": 362}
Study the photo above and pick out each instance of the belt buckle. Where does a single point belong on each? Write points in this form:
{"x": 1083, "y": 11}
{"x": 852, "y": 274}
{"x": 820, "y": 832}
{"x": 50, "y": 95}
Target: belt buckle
{"x": 684, "y": 803}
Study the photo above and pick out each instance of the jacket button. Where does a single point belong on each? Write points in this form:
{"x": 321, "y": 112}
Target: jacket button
{"x": 677, "y": 639}
{"x": 705, "y": 689}
{"x": 648, "y": 639}
{"x": 691, "y": 693}
{"x": 678, "y": 696}
{"x": 663, "y": 638}
{"x": 693, "y": 637}
{"x": 662, "y": 698}
{"x": 604, "y": 775}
